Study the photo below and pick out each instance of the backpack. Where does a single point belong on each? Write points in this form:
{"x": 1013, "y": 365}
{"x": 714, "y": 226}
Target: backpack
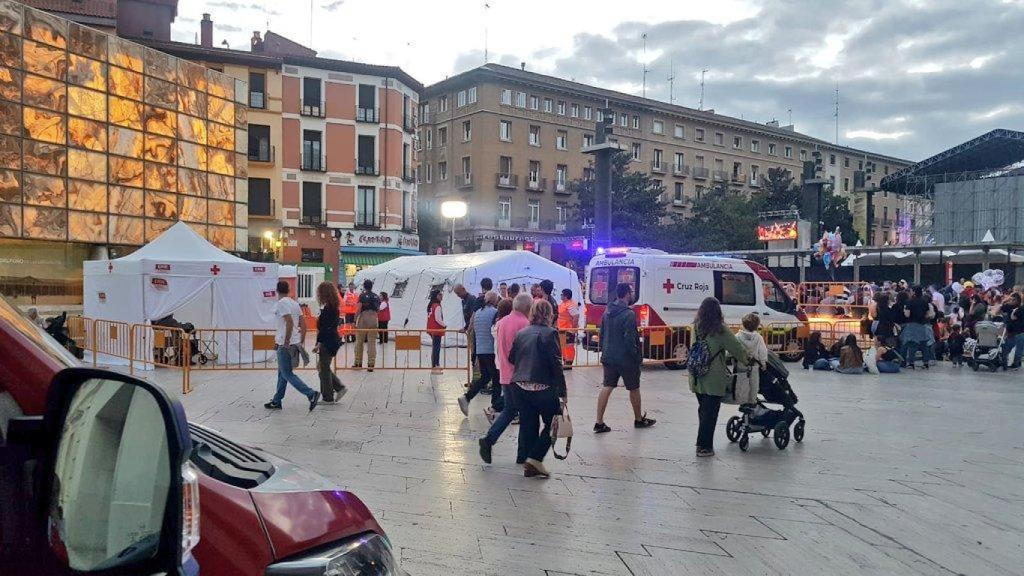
{"x": 371, "y": 302}
{"x": 699, "y": 359}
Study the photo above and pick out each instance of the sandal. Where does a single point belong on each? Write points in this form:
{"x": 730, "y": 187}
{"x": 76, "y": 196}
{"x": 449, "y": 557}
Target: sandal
{"x": 644, "y": 422}
{"x": 601, "y": 428}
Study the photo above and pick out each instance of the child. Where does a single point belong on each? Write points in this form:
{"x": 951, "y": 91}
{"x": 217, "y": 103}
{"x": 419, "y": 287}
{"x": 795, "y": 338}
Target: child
{"x": 815, "y": 354}
{"x": 955, "y": 345}
{"x": 747, "y": 385}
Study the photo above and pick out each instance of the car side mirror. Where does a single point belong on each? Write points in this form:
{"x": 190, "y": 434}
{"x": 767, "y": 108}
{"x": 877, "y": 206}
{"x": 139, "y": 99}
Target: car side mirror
{"x": 119, "y": 494}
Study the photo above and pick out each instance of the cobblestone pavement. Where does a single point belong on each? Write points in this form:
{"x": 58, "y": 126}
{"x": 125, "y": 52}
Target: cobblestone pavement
{"x": 915, "y": 473}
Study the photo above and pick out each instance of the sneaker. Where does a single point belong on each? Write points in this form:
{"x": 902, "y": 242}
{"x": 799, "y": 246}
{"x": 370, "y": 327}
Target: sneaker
{"x": 491, "y": 414}
{"x": 515, "y": 422}
{"x": 485, "y": 450}
{"x": 534, "y": 467}
{"x": 704, "y": 452}
{"x": 357, "y": 366}
{"x": 314, "y": 398}
{"x": 644, "y": 422}
{"x": 272, "y": 405}
{"x": 436, "y": 371}
{"x": 601, "y": 428}
{"x": 464, "y": 405}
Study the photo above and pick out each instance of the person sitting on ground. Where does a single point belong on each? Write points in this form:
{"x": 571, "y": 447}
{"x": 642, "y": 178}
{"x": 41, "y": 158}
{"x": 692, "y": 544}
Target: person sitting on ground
{"x": 955, "y": 345}
{"x": 815, "y": 354}
{"x": 886, "y": 360}
{"x": 851, "y": 359}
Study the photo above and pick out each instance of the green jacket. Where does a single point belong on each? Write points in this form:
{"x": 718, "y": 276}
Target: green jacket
{"x": 718, "y": 377}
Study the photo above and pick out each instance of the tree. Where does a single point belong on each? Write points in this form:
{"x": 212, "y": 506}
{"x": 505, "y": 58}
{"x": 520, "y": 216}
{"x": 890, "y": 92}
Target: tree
{"x": 722, "y": 219}
{"x": 640, "y": 215}
{"x": 778, "y": 192}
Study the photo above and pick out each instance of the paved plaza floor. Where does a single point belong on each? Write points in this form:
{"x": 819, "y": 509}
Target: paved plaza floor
{"x": 916, "y": 473}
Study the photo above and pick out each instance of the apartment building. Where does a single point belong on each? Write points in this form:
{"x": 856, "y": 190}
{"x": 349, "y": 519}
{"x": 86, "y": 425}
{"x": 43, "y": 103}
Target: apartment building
{"x": 507, "y": 141}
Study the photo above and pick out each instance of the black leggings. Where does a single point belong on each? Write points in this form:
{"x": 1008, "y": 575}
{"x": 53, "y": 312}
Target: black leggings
{"x": 382, "y": 336}
{"x": 707, "y": 413}
{"x": 488, "y": 374}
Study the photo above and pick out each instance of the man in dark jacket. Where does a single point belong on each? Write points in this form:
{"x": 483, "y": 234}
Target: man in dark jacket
{"x": 621, "y": 357}
{"x": 548, "y": 287}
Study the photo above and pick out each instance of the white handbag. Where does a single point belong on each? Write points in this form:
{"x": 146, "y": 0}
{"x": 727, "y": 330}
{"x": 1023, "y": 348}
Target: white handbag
{"x": 561, "y": 427}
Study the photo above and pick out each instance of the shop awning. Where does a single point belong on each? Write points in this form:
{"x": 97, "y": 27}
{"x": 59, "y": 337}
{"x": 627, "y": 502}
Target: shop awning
{"x": 366, "y": 259}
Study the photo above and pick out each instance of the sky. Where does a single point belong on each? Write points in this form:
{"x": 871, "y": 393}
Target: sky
{"x": 915, "y": 77}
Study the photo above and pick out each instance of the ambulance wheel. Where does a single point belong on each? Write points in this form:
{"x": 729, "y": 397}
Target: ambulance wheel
{"x": 744, "y": 442}
{"x": 732, "y": 428}
{"x": 798, "y": 431}
{"x": 679, "y": 353}
{"x": 781, "y": 435}
{"x": 765, "y": 432}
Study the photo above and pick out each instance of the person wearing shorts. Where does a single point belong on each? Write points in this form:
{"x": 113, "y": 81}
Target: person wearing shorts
{"x": 621, "y": 357}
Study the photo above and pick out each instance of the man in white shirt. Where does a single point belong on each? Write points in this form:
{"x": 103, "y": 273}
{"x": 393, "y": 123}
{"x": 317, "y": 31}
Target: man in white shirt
{"x": 938, "y": 299}
{"x": 291, "y": 331}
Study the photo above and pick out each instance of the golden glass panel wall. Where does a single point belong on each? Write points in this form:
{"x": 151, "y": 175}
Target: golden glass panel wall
{"x": 104, "y": 141}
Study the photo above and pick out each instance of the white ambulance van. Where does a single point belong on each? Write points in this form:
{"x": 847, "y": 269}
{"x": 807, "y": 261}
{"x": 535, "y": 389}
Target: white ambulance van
{"x": 669, "y": 288}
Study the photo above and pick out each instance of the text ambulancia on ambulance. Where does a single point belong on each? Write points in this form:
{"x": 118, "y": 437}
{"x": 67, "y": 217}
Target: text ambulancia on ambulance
{"x": 668, "y": 289}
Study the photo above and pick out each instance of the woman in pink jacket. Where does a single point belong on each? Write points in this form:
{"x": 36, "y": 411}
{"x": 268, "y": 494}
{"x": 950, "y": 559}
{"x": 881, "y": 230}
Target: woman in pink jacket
{"x": 507, "y": 328}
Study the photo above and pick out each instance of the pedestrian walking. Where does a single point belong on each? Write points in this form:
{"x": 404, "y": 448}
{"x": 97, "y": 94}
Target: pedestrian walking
{"x": 620, "y": 357}
{"x": 289, "y": 335}
{"x": 709, "y": 372}
{"x": 505, "y": 335}
{"x": 1013, "y": 340}
{"x": 383, "y": 317}
{"x": 436, "y": 328}
{"x": 328, "y": 341}
{"x": 542, "y": 394}
{"x": 568, "y": 321}
{"x": 483, "y": 343}
{"x": 366, "y": 325}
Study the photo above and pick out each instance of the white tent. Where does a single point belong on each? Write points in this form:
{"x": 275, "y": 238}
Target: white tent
{"x": 180, "y": 273}
{"x": 408, "y": 281}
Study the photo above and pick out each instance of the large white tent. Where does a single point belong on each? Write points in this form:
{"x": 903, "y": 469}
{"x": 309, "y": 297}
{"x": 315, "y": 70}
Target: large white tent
{"x": 180, "y": 273}
{"x": 408, "y": 281}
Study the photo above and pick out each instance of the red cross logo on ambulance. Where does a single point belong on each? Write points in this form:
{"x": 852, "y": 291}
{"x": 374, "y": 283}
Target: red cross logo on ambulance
{"x": 668, "y": 285}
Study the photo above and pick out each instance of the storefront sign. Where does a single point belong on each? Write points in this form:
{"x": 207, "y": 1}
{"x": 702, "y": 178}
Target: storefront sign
{"x": 380, "y": 239}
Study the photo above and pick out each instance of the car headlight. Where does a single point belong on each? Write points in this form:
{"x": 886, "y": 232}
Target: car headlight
{"x": 363, "y": 555}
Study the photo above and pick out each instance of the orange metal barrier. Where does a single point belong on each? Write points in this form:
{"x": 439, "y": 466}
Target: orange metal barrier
{"x": 162, "y": 347}
{"x": 111, "y": 338}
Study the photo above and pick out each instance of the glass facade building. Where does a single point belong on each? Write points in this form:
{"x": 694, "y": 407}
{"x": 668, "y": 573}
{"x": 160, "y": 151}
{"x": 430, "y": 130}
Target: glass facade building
{"x": 106, "y": 142}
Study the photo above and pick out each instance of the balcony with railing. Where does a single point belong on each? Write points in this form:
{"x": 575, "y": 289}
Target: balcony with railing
{"x": 739, "y": 177}
{"x": 263, "y": 153}
{"x": 408, "y": 174}
{"x": 464, "y": 181}
{"x": 262, "y": 210}
{"x": 720, "y": 175}
{"x": 532, "y": 224}
{"x": 503, "y": 223}
{"x": 507, "y": 181}
{"x": 680, "y": 170}
{"x": 559, "y": 226}
{"x": 755, "y": 181}
{"x": 314, "y": 162}
{"x": 367, "y": 168}
{"x": 560, "y": 186}
{"x": 700, "y": 172}
{"x": 364, "y": 114}
{"x": 313, "y": 108}
{"x": 366, "y": 221}
{"x": 257, "y": 100}
{"x": 658, "y": 167}
{"x": 314, "y": 219}
{"x": 536, "y": 184}
{"x": 409, "y": 123}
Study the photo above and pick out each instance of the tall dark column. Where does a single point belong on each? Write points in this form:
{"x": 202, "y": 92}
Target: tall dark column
{"x": 602, "y": 151}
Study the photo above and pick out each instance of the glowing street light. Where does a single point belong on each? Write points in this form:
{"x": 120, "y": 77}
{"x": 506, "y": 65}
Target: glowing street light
{"x": 453, "y": 209}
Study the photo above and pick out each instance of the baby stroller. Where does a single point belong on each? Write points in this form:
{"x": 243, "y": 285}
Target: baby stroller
{"x": 774, "y": 388}
{"x": 988, "y": 347}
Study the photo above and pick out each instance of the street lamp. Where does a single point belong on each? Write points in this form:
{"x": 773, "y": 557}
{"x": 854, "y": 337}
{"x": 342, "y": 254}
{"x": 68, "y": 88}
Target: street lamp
{"x": 453, "y": 209}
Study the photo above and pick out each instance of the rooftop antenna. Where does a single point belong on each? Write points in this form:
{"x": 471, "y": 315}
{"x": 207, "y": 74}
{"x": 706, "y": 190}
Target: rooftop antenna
{"x": 702, "y": 73}
{"x": 836, "y": 114}
{"x": 644, "y": 36}
{"x": 487, "y": 8}
{"x": 790, "y": 110}
{"x": 671, "y": 81}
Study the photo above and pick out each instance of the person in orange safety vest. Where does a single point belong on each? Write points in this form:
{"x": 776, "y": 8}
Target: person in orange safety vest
{"x": 568, "y": 321}
{"x": 350, "y": 306}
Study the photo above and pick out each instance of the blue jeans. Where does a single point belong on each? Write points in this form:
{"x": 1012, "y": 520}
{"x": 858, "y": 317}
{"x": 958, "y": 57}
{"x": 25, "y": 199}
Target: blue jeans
{"x": 508, "y": 393}
{"x": 1015, "y": 343}
{"x": 886, "y": 367}
{"x": 435, "y": 351}
{"x": 286, "y": 376}
{"x": 822, "y": 364}
{"x": 911, "y": 348}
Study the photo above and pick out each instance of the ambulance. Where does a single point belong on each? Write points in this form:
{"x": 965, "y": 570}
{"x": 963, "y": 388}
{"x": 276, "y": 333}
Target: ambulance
{"x": 668, "y": 289}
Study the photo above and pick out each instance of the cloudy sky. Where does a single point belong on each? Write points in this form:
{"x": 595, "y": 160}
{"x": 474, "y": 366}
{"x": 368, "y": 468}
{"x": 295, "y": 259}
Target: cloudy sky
{"x": 914, "y": 76}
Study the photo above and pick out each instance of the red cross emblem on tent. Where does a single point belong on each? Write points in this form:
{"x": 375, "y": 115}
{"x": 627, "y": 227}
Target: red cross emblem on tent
{"x": 668, "y": 285}
{"x": 110, "y": 267}
{"x": 215, "y": 269}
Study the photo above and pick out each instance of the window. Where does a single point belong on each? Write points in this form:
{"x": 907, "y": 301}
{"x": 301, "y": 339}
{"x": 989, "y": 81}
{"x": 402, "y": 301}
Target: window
{"x": 755, "y": 145}
{"x": 521, "y": 99}
{"x": 719, "y": 165}
{"x": 259, "y": 197}
{"x": 737, "y": 142}
{"x": 505, "y": 208}
{"x": 680, "y": 131}
{"x": 680, "y": 162}
{"x": 505, "y": 165}
{"x": 407, "y": 209}
{"x": 312, "y": 151}
{"x": 604, "y": 280}
{"x": 832, "y": 159}
{"x": 698, "y": 134}
{"x": 698, "y": 191}
{"x": 699, "y": 160}
{"x": 534, "y": 172}
{"x": 366, "y": 154}
{"x": 460, "y": 99}
{"x": 442, "y": 137}
{"x": 588, "y": 113}
{"x": 547, "y": 105}
{"x": 561, "y": 176}
{"x": 636, "y": 122}
{"x": 657, "y": 157}
{"x": 534, "y": 212}
{"x": 789, "y": 152}
{"x": 735, "y": 288}
{"x": 574, "y": 110}
{"x": 311, "y": 201}
{"x": 771, "y": 148}
{"x": 534, "y": 103}
{"x": 562, "y": 140}
{"x": 860, "y": 164}
{"x": 886, "y": 170}
{"x": 311, "y": 94}
{"x": 429, "y": 172}
{"x": 471, "y": 95}
{"x": 561, "y": 211}
{"x": 430, "y": 138}
{"x": 467, "y": 131}
{"x": 366, "y": 206}
{"x": 755, "y": 173}
{"x": 623, "y": 120}
{"x": 506, "y": 97}
{"x": 505, "y": 130}
{"x": 803, "y": 155}
{"x": 534, "y": 135}
{"x": 588, "y": 174}
{"x": 719, "y": 139}
{"x": 885, "y": 214}
{"x": 600, "y": 115}
{"x": 846, "y": 161}
{"x": 442, "y": 104}
{"x": 636, "y": 150}
{"x": 442, "y": 170}
{"x": 846, "y": 184}
{"x": 311, "y": 255}
{"x": 467, "y": 170}
{"x": 588, "y": 139}
{"x": 257, "y": 90}
{"x": 679, "y": 195}
{"x": 658, "y": 127}
{"x": 775, "y": 298}
{"x": 737, "y": 169}
{"x": 561, "y": 107}
{"x": 259, "y": 143}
